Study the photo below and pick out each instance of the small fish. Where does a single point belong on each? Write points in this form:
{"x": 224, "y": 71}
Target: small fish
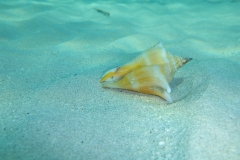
{"x": 102, "y": 12}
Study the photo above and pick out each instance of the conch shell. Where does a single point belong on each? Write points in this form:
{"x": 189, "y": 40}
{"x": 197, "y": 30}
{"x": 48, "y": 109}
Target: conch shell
{"x": 149, "y": 73}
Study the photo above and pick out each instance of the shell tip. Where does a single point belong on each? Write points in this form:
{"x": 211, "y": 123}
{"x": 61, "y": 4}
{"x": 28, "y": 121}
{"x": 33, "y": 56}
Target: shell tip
{"x": 159, "y": 44}
{"x": 186, "y": 60}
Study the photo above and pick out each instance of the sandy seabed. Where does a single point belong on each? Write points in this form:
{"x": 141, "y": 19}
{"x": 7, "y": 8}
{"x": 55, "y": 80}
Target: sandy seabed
{"x": 53, "y": 54}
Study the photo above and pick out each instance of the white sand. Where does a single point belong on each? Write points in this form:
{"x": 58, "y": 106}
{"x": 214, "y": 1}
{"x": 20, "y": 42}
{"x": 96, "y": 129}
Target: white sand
{"x": 52, "y": 55}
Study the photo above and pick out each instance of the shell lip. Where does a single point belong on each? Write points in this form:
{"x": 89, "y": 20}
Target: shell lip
{"x": 102, "y": 80}
{"x": 106, "y": 77}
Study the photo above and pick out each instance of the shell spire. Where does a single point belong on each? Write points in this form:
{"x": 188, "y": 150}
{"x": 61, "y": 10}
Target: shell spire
{"x": 149, "y": 73}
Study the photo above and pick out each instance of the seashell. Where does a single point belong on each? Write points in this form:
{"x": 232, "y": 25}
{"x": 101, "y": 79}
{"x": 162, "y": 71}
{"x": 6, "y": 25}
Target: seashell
{"x": 155, "y": 55}
{"x": 149, "y": 73}
{"x": 146, "y": 79}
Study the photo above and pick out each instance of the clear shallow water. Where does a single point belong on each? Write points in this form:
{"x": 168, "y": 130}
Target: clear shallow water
{"x": 52, "y": 55}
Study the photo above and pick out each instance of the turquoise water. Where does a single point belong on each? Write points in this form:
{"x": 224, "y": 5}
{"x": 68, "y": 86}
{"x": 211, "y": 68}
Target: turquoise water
{"x": 53, "y": 54}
